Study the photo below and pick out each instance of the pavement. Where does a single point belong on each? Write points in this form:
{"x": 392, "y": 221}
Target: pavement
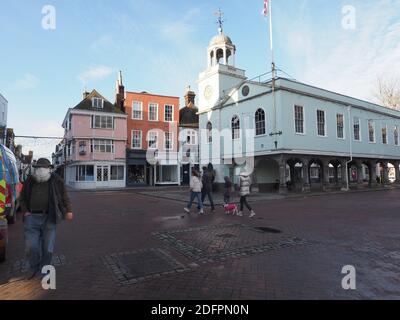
{"x": 128, "y": 244}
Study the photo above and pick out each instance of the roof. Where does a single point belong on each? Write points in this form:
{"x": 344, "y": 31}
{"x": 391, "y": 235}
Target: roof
{"x": 220, "y": 39}
{"x": 150, "y": 94}
{"x": 188, "y": 116}
{"x": 86, "y": 104}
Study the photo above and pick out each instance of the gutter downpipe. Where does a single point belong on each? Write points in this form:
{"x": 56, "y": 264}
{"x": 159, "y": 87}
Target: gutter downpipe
{"x": 351, "y": 149}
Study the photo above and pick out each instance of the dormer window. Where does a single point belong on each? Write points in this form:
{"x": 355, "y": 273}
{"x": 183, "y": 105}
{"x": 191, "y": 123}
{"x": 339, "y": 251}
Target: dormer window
{"x": 97, "y": 103}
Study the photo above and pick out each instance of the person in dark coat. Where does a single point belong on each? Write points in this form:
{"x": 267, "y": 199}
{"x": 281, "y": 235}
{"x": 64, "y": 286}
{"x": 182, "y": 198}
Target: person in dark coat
{"x": 44, "y": 203}
{"x": 207, "y": 180}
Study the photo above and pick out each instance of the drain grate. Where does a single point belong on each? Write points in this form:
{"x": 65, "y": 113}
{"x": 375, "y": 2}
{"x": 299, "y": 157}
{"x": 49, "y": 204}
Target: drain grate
{"x": 267, "y": 230}
{"x": 136, "y": 266}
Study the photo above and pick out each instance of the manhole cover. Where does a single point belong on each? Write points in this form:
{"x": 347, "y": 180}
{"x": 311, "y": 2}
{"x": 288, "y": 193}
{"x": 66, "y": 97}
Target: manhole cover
{"x": 135, "y": 266}
{"x": 226, "y": 235}
{"x": 268, "y": 230}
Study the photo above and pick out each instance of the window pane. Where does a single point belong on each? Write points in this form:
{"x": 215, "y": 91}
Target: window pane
{"x": 97, "y": 122}
{"x": 260, "y": 122}
{"x": 120, "y": 173}
{"x": 340, "y": 126}
{"x": 137, "y": 110}
{"x": 356, "y": 129}
{"x": 299, "y": 119}
{"x": 321, "y": 122}
{"x": 153, "y": 109}
{"x": 168, "y": 113}
{"x": 235, "y": 127}
{"x": 371, "y": 129}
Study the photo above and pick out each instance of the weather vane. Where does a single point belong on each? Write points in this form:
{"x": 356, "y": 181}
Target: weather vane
{"x": 220, "y": 20}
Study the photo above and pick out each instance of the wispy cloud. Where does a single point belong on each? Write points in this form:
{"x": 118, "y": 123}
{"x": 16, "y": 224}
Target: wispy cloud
{"x": 349, "y": 61}
{"x": 104, "y": 42}
{"x": 95, "y": 74}
{"x": 27, "y": 82}
{"x": 181, "y": 29}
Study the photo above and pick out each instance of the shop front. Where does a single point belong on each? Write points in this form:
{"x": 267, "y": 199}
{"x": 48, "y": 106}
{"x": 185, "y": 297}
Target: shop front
{"x": 138, "y": 173}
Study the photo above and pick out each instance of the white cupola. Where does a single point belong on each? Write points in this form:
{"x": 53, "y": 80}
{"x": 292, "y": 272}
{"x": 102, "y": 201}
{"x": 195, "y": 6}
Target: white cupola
{"x": 221, "y": 50}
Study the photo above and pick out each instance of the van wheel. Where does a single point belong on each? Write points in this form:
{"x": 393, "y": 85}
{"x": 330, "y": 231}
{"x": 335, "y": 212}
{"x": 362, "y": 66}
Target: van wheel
{"x": 2, "y": 254}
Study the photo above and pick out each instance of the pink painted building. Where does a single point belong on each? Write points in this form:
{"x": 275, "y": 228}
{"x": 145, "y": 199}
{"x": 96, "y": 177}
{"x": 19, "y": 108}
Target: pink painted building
{"x": 95, "y": 142}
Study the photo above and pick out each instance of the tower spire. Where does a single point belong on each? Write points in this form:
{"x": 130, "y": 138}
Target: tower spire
{"x": 120, "y": 78}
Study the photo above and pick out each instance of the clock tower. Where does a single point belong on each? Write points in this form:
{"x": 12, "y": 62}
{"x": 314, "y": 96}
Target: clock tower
{"x": 221, "y": 74}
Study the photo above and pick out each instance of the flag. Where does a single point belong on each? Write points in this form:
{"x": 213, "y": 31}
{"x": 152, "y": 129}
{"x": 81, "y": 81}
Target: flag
{"x": 265, "y": 10}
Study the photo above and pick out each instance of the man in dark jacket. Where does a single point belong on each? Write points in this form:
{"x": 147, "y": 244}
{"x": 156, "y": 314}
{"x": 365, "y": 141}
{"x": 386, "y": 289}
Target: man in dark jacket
{"x": 207, "y": 180}
{"x": 44, "y": 203}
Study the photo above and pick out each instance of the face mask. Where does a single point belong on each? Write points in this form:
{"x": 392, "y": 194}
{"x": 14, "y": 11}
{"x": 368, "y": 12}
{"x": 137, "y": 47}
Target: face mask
{"x": 42, "y": 174}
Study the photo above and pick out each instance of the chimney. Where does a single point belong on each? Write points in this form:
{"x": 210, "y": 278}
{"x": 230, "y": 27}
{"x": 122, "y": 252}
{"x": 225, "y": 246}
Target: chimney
{"x": 120, "y": 93}
{"x": 189, "y": 97}
{"x": 85, "y": 94}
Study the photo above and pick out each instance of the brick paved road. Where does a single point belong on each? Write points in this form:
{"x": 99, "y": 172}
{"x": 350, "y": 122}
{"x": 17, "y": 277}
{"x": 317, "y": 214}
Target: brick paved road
{"x": 125, "y": 245}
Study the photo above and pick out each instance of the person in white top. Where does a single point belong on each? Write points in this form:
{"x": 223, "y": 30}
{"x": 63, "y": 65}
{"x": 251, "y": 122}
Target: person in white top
{"x": 195, "y": 192}
{"x": 245, "y": 186}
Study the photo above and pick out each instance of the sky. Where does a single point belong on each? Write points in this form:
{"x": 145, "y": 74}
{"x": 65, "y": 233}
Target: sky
{"x": 160, "y": 46}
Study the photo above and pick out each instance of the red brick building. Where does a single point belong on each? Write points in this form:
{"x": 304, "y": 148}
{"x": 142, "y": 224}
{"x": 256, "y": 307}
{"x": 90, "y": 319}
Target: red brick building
{"x": 152, "y": 132}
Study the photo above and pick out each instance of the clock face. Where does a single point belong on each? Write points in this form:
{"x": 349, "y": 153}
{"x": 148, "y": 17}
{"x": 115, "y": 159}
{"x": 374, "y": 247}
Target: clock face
{"x": 208, "y": 92}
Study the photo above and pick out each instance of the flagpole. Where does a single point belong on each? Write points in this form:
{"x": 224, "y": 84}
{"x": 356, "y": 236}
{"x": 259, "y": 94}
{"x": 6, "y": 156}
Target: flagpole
{"x": 273, "y": 69}
{"x": 271, "y": 39}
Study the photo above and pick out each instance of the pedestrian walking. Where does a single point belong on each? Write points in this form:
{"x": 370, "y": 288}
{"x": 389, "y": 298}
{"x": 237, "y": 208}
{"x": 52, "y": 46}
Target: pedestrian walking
{"x": 195, "y": 192}
{"x": 44, "y": 203}
{"x": 245, "y": 184}
{"x": 207, "y": 180}
{"x": 227, "y": 190}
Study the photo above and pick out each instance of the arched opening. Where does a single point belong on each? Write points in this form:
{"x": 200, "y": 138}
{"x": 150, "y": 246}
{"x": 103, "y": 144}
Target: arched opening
{"x": 353, "y": 172}
{"x": 295, "y": 175}
{"x": 335, "y": 172}
{"x": 380, "y": 172}
{"x": 316, "y": 172}
{"x": 260, "y": 122}
{"x": 220, "y": 56}
{"x": 391, "y": 172}
{"x": 228, "y": 57}
{"x": 367, "y": 172}
{"x": 212, "y": 63}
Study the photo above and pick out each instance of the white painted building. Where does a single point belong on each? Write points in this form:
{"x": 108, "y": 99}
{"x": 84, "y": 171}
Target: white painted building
{"x": 294, "y": 137}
